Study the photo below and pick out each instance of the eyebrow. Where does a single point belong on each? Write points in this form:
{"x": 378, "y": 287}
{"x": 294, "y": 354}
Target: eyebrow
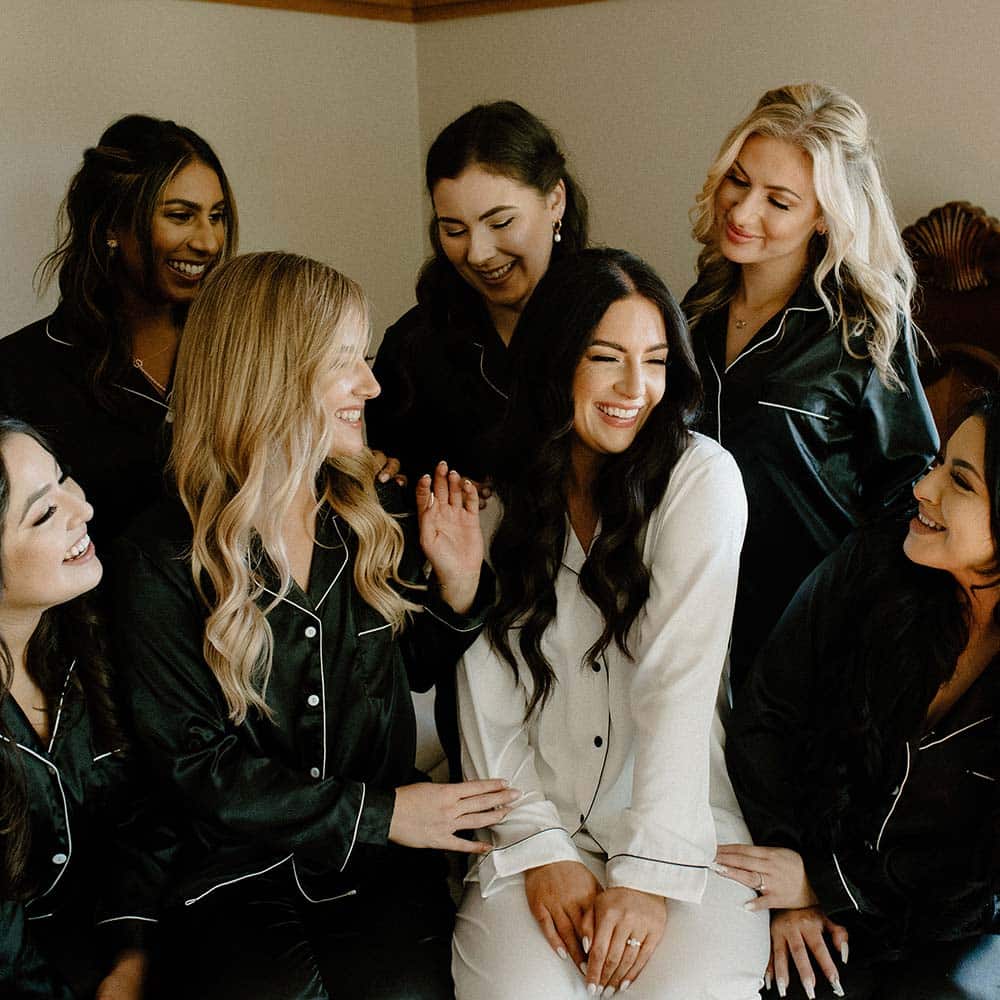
{"x": 192, "y": 204}
{"x": 770, "y": 187}
{"x": 482, "y": 218}
{"x": 618, "y": 347}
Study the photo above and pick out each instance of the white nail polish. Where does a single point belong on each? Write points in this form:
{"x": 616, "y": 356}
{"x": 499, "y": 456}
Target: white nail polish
{"x": 561, "y": 952}
{"x": 583, "y": 968}
{"x": 586, "y": 945}
{"x": 626, "y": 983}
{"x": 592, "y": 989}
{"x": 767, "y": 980}
{"x": 782, "y": 987}
{"x": 844, "y": 952}
{"x": 609, "y": 991}
{"x": 714, "y": 866}
{"x": 838, "y": 990}
{"x": 810, "y": 989}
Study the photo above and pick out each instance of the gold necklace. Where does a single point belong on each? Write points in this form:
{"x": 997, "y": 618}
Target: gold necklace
{"x": 159, "y": 386}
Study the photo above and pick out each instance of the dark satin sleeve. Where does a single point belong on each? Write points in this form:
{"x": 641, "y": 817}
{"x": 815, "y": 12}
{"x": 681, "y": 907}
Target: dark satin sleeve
{"x": 436, "y": 637}
{"x": 181, "y": 720}
{"x": 767, "y": 736}
{"x": 897, "y": 438}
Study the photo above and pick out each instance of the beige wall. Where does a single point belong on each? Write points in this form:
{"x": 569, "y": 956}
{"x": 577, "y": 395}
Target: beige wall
{"x": 314, "y": 118}
{"x": 318, "y": 121}
{"x": 643, "y": 91}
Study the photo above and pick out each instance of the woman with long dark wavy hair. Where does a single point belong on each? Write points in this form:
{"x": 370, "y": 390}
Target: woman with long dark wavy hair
{"x": 146, "y": 218}
{"x": 866, "y": 751}
{"x": 74, "y": 899}
{"x": 596, "y": 688}
{"x": 504, "y": 205}
{"x": 800, "y": 319}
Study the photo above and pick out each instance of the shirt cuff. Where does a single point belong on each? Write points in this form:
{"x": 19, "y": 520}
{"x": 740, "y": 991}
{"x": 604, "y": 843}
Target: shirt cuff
{"x": 544, "y": 847}
{"x": 374, "y": 816}
{"x": 670, "y": 879}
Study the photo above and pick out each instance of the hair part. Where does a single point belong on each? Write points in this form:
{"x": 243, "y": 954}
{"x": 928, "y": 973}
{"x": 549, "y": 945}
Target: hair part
{"x": 250, "y": 429}
{"x": 533, "y": 468}
{"x": 503, "y": 138}
{"x": 119, "y": 186}
{"x": 860, "y": 268}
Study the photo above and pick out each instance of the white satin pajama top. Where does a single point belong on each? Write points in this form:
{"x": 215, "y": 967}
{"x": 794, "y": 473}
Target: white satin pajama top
{"x": 626, "y": 758}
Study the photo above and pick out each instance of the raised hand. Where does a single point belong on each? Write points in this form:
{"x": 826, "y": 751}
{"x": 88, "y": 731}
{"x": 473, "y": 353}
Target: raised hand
{"x": 448, "y": 511}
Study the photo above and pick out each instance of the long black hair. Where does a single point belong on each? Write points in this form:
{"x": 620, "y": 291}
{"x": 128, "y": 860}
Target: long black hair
{"x": 533, "y": 467}
{"x": 64, "y": 633}
{"x": 904, "y": 627}
{"x": 118, "y": 186}
{"x": 506, "y": 139}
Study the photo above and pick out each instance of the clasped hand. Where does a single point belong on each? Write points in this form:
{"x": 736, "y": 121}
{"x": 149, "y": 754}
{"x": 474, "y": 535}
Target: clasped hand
{"x": 609, "y": 934}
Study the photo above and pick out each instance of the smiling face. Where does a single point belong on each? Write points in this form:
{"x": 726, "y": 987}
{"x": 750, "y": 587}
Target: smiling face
{"x": 497, "y": 233}
{"x": 620, "y": 378}
{"x": 345, "y": 388}
{"x": 766, "y": 208}
{"x": 47, "y": 555}
{"x": 187, "y": 234}
{"x": 952, "y": 528}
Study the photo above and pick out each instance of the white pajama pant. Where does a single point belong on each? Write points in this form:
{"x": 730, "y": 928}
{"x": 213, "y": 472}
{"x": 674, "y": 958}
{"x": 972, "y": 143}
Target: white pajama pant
{"x": 713, "y": 950}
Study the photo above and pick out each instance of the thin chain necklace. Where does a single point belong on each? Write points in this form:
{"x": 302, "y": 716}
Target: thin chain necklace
{"x": 159, "y": 386}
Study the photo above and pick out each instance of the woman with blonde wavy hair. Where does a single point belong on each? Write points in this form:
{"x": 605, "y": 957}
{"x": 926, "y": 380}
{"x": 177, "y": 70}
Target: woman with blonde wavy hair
{"x": 801, "y": 324}
{"x": 273, "y": 618}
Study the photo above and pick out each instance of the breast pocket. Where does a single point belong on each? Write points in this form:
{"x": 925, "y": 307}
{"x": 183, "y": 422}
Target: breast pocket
{"x": 376, "y": 658}
{"x": 796, "y": 415}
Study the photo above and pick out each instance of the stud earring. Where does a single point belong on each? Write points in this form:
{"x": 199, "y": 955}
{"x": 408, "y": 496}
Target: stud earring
{"x": 112, "y": 247}
{"x": 557, "y": 231}
{"x": 821, "y": 228}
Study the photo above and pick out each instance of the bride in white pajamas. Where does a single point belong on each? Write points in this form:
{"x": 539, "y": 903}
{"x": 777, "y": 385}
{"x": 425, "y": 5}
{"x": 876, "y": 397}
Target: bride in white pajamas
{"x": 597, "y": 689}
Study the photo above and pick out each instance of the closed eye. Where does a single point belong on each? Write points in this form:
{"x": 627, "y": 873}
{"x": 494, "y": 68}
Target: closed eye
{"x": 49, "y": 511}
{"x": 737, "y": 180}
{"x": 504, "y": 224}
{"x": 778, "y": 204}
{"x": 961, "y": 482}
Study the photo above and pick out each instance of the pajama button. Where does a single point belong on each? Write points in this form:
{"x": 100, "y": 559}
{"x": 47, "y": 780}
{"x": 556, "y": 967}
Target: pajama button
{"x": 313, "y": 700}
{"x": 598, "y": 741}
{"x": 59, "y": 859}
{"x": 310, "y": 631}
{"x": 595, "y": 666}
{"x": 314, "y": 772}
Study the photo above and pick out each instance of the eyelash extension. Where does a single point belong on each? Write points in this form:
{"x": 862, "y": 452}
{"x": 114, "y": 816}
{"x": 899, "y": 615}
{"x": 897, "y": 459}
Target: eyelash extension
{"x": 778, "y": 204}
{"x": 503, "y": 225}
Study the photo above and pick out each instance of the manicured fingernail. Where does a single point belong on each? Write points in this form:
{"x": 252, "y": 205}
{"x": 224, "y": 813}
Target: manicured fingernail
{"x": 767, "y": 980}
{"x": 586, "y": 945}
{"x": 583, "y": 967}
{"x": 751, "y": 905}
{"x": 810, "y": 988}
{"x": 609, "y": 991}
{"x": 561, "y": 952}
{"x": 782, "y": 987}
{"x": 626, "y": 983}
{"x": 844, "y": 952}
{"x": 592, "y": 989}
{"x": 838, "y": 990}
{"x": 714, "y": 866}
